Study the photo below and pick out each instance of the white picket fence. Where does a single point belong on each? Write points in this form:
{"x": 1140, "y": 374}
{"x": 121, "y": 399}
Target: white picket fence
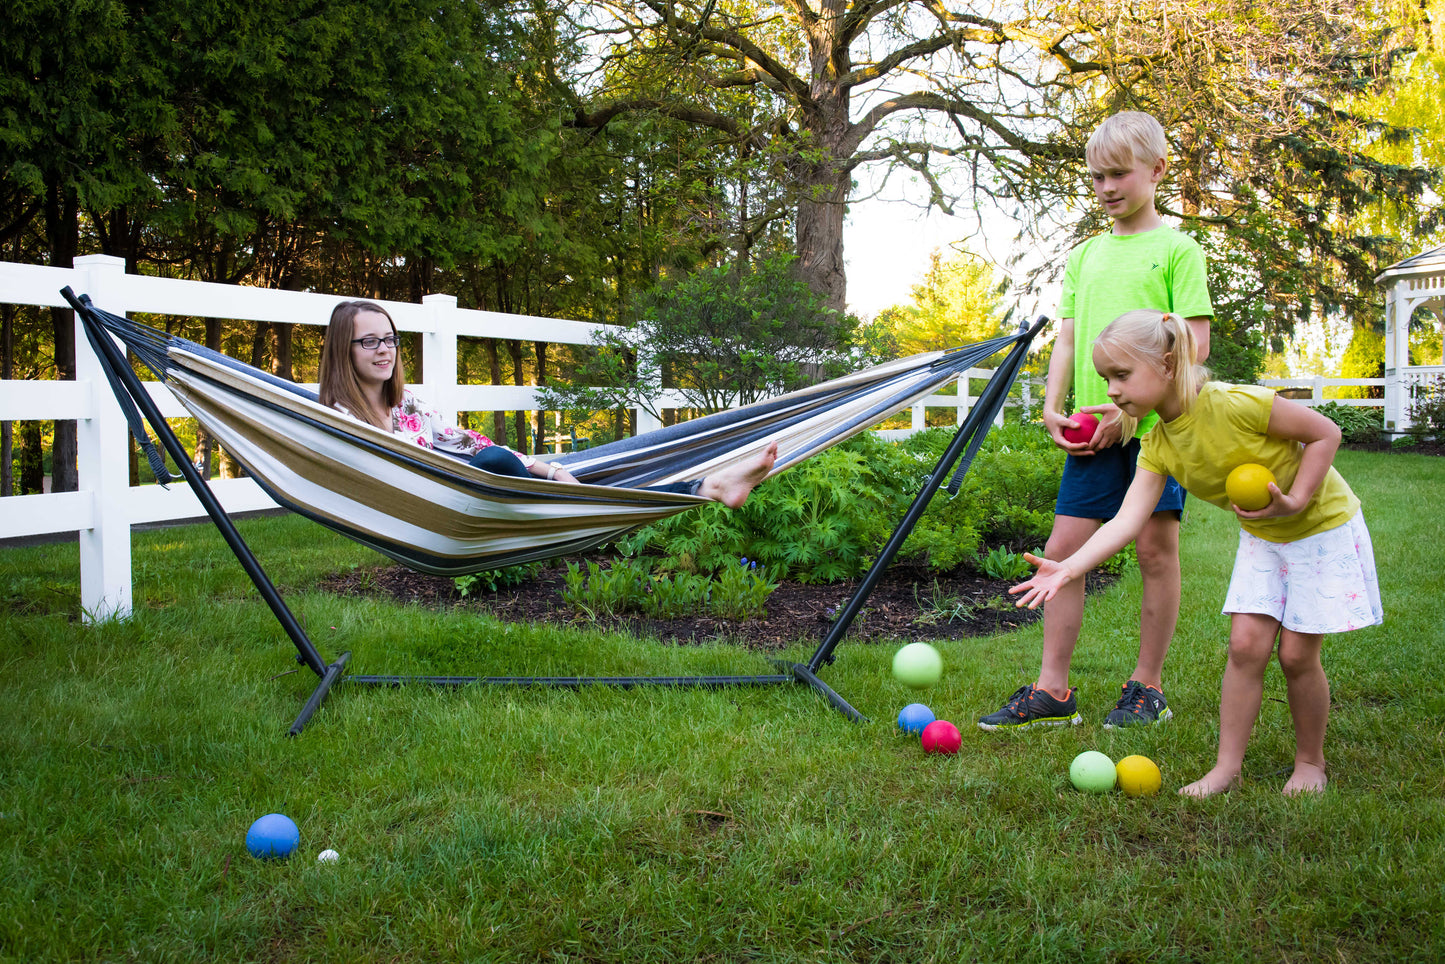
{"x": 107, "y": 505}
{"x": 1318, "y": 385}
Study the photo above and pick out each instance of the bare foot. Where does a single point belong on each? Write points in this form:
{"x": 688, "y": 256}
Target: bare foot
{"x": 734, "y": 484}
{"x": 1215, "y": 781}
{"x": 1307, "y": 778}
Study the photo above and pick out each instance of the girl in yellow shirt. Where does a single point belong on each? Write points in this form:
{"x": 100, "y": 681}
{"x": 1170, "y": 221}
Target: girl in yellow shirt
{"x": 1305, "y": 566}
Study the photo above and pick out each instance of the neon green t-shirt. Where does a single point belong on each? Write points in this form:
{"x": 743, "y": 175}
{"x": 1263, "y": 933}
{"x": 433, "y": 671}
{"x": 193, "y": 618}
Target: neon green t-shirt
{"x": 1225, "y": 427}
{"x": 1110, "y": 274}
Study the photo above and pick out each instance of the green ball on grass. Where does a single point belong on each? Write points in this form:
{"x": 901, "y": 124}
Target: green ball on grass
{"x": 917, "y": 665}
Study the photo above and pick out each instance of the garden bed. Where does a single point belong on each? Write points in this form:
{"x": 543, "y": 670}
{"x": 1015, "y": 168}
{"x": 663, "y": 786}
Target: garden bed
{"x": 907, "y": 604}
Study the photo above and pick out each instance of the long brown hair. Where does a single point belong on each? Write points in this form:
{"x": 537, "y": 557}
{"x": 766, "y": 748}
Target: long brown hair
{"x": 339, "y": 384}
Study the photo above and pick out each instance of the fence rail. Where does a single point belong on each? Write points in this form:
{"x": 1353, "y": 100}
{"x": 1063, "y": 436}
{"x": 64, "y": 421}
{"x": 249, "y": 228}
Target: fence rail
{"x": 1316, "y": 385}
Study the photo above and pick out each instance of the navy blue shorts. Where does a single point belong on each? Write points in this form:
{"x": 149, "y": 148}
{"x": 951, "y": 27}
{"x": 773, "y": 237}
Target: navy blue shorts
{"x": 1093, "y": 486}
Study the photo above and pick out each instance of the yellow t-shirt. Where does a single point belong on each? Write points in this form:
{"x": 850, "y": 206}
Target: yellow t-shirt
{"x": 1225, "y": 427}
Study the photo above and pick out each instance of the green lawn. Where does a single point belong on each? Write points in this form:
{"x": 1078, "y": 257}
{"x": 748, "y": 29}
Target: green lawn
{"x": 605, "y": 825}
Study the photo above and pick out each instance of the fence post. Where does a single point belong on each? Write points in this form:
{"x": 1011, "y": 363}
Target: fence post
{"x": 439, "y": 353}
{"x": 103, "y": 458}
{"x": 965, "y": 402}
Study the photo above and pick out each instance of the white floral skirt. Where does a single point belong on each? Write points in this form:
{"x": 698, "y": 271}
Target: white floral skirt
{"x": 1325, "y": 583}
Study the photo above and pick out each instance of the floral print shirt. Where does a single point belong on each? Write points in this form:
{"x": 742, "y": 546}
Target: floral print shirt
{"x": 419, "y": 423}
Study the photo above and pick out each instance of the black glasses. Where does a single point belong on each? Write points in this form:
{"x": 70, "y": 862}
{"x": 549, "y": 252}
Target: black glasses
{"x": 372, "y": 342}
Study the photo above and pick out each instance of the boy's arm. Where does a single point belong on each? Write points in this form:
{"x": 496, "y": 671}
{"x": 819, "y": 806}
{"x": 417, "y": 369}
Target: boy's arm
{"x": 1118, "y": 532}
{"x": 1200, "y": 324}
{"x": 1321, "y": 438}
{"x": 1061, "y": 377}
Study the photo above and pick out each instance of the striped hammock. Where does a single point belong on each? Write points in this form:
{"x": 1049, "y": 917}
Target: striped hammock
{"x": 437, "y": 514}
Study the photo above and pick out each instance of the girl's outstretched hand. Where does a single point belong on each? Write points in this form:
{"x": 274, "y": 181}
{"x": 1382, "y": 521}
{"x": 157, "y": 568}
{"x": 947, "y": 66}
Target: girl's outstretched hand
{"x": 1050, "y": 578}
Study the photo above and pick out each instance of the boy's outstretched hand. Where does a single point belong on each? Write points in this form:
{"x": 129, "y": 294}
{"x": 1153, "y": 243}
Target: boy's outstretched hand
{"x": 1050, "y": 578}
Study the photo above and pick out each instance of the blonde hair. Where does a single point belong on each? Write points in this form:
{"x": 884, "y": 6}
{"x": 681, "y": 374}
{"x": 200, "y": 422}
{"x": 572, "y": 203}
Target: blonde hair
{"x": 1147, "y": 335}
{"x": 339, "y": 384}
{"x": 1127, "y": 138}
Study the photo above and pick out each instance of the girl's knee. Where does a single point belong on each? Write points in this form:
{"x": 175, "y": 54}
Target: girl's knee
{"x": 1250, "y": 650}
{"x": 1299, "y": 655}
{"x": 499, "y": 461}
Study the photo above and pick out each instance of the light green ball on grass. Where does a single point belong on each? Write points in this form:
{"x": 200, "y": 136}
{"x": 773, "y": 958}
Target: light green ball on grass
{"x": 917, "y": 665}
{"x": 1093, "y": 772}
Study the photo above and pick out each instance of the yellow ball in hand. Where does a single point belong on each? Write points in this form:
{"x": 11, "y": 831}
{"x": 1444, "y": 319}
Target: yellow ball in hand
{"x": 1138, "y": 776}
{"x": 1248, "y": 486}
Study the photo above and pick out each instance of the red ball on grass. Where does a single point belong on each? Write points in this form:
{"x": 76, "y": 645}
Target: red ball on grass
{"x": 941, "y": 736}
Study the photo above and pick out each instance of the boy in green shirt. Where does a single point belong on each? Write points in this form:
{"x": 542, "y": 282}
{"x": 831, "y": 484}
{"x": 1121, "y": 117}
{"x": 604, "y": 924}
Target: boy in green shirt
{"x": 1141, "y": 263}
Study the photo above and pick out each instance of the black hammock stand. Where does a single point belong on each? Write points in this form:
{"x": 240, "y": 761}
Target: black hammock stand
{"x": 136, "y": 403}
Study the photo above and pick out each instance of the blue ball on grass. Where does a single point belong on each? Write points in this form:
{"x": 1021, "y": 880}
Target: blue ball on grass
{"x": 273, "y": 837}
{"x": 914, "y": 717}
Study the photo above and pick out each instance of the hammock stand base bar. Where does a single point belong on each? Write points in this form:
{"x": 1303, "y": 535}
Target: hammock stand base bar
{"x": 797, "y": 673}
{"x": 132, "y": 396}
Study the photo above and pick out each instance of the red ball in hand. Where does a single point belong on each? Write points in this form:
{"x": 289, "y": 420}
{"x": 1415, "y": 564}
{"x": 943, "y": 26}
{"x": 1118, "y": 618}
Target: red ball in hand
{"x": 1087, "y": 425}
{"x": 941, "y": 736}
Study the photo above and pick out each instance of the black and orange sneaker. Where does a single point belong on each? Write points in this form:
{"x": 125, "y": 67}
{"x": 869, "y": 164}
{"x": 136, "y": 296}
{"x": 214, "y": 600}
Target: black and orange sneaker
{"x": 1030, "y": 706}
{"x": 1139, "y": 705}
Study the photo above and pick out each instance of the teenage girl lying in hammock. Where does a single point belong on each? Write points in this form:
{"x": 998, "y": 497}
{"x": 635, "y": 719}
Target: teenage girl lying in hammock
{"x": 361, "y": 375}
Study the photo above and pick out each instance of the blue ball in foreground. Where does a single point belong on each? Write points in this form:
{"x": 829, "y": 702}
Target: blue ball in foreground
{"x": 272, "y": 837}
{"x": 914, "y": 717}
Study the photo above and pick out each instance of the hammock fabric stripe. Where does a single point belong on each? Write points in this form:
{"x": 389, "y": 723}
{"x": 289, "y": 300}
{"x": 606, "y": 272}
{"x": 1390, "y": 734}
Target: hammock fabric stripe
{"x": 433, "y": 512}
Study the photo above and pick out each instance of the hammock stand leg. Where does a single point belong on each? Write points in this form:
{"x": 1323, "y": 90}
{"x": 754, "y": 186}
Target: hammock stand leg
{"x": 968, "y": 438}
{"x": 124, "y": 379}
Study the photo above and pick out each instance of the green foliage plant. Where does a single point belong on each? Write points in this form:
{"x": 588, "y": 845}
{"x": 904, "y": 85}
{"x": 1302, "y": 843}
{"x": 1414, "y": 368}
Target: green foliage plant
{"x": 826, "y": 520}
{"x": 1427, "y": 410}
{"x": 741, "y": 591}
{"x": 1002, "y": 563}
{"x": 492, "y": 580}
{"x": 720, "y": 336}
{"x": 1357, "y": 423}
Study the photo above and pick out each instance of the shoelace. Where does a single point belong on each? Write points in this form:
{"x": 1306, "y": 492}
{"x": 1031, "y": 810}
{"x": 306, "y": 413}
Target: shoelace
{"x": 1019, "y": 701}
{"x": 1136, "y": 692}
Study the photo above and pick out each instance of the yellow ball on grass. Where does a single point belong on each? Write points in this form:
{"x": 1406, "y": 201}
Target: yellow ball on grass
{"x": 1138, "y": 776}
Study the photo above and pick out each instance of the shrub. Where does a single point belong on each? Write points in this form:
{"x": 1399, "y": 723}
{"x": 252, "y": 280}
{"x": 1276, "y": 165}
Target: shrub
{"x": 632, "y": 586}
{"x": 1427, "y": 410}
{"x": 1357, "y": 423}
{"x": 827, "y": 519}
{"x": 492, "y": 580}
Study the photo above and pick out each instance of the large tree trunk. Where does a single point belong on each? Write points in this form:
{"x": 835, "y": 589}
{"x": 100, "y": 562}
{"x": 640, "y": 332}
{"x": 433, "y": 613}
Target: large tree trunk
{"x": 826, "y": 181}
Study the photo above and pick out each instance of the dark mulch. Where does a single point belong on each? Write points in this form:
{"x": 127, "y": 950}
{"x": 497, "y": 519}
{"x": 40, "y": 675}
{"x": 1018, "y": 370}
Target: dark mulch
{"x": 906, "y": 604}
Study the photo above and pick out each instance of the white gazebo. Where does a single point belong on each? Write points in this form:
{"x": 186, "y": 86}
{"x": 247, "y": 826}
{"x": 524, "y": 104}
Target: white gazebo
{"x": 1412, "y": 284}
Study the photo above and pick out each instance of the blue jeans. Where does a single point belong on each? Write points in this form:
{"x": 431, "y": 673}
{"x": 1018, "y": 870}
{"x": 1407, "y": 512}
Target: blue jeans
{"x": 503, "y": 461}
{"x": 1093, "y": 486}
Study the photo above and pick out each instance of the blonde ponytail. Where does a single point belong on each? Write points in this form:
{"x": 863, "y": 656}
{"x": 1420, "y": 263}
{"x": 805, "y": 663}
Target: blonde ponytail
{"x": 1148, "y": 335}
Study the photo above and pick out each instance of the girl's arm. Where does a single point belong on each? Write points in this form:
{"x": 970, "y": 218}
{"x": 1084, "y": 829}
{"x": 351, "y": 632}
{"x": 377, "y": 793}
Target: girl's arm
{"x": 1118, "y": 532}
{"x": 1321, "y": 438}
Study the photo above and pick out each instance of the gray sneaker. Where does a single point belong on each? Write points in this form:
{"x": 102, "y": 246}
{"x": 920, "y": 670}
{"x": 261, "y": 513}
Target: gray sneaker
{"x": 1030, "y": 706}
{"x": 1139, "y": 705}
